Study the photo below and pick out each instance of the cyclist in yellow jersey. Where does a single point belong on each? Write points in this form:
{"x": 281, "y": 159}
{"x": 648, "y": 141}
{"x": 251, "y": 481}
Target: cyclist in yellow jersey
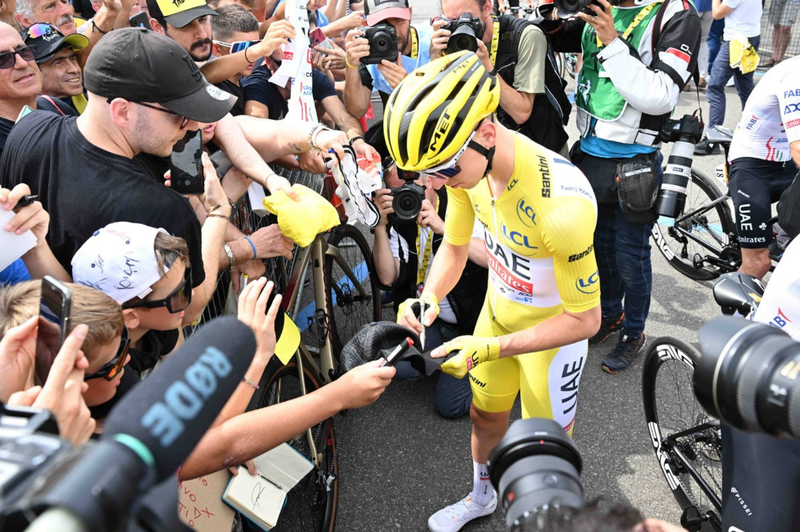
{"x": 539, "y": 214}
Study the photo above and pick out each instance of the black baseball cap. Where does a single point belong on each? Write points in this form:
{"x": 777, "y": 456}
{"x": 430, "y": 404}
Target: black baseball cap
{"x": 143, "y": 66}
{"x": 46, "y": 41}
{"x": 179, "y": 13}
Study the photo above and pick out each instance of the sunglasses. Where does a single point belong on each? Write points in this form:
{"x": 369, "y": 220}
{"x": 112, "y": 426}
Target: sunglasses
{"x": 178, "y": 300}
{"x": 237, "y": 46}
{"x": 8, "y": 59}
{"x": 111, "y": 370}
{"x": 450, "y": 168}
{"x": 41, "y": 30}
{"x": 184, "y": 120}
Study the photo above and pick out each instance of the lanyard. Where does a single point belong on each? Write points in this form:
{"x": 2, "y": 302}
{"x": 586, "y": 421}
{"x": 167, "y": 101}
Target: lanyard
{"x": 635, "y": 22}
{"x": 495, "y": 41}
{"x": 414, "y": 43}
{"x": 422, "y": 269}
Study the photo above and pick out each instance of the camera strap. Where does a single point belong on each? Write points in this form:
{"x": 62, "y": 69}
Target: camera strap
{"x": 422, "y": 268}
{"x": 414, "y": 42}
{"x": 634, "y": 23}
{"x": 495, "y": 41}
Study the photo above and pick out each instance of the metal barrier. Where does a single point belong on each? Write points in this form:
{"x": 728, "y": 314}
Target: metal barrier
{"x": 224, "y": 301}
{"x": 767, "y": 46}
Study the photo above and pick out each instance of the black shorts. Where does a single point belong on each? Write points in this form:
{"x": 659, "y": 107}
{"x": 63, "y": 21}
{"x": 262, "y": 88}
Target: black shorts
{"x": 754, "y": 185}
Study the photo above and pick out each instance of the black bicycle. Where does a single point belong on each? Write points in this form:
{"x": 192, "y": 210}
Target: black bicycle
{"x": 702, "y": 242}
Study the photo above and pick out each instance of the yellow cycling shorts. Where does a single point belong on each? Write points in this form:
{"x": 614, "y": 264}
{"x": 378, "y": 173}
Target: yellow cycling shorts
{"x": 547, "y": 381}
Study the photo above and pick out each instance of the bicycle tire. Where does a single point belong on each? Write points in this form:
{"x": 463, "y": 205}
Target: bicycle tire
{"x": 311, "y": 505}
{"x": 347, "y": 308}
{"x": 670, "y": 362}
{"x": 714, "y": 227}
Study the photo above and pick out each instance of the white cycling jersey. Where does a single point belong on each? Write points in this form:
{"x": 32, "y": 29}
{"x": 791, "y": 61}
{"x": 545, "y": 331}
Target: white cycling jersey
{"x": 780, "y": 306}
{"x": 771, "y": 118}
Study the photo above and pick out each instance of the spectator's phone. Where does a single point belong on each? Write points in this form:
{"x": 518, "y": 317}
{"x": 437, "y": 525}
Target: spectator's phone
{"x": 316, "y": 37}
{"x": 55, "y": 306}
{"x": 140, "y": 20}
{"x": 186, "y": 164}
{"x": 221, "y": 163}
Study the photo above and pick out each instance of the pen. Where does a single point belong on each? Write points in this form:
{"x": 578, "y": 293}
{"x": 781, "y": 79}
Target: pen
{"x": 422, "y": 322}
{"x": 26, "y": 200}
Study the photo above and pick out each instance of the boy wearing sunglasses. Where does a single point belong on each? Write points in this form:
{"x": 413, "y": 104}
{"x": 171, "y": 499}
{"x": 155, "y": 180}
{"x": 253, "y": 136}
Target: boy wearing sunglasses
{"x": 106, "y": 345}
{"x": 147, "y": 271}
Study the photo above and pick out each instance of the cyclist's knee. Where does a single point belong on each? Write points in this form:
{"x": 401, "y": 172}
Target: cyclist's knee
{"x": 483, "y": 420}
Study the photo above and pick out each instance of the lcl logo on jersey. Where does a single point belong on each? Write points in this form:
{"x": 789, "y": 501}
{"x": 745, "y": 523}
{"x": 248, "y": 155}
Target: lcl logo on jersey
{"x": 515, "y": 239}
{"x": 590, "y": 285}
{"x": 525, "y": 213}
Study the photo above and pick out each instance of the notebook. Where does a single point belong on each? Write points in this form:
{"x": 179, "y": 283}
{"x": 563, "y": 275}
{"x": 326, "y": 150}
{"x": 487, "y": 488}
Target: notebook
{"x": 260, "y": 498}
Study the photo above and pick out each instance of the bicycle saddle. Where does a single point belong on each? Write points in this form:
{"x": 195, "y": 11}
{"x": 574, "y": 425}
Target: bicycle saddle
{"x": 738, "y": 292}
{"x": 719, "y": 134}
{"x": 376, "y": 340}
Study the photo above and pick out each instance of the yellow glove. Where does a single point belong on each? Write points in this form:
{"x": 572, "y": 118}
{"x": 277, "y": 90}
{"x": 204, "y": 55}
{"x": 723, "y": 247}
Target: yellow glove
{"x": 473, "y": 351}
{"x": 431, "y": 306}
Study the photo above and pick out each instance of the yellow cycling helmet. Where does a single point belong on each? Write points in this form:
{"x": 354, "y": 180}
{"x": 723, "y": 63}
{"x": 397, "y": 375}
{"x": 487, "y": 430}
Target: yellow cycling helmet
{"x": 433, "y": 111}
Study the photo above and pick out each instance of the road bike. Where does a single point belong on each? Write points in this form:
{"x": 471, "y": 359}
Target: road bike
{"x": 329, "y": 290}
{"x": 702, "y": 243}
{"x": 686, "y": 440}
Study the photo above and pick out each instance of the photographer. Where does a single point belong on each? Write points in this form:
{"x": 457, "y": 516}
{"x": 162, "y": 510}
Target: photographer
{"x": 532, "y": 97}
{"x": 403, "y": 252}
{"x": 413, "y": 45}
{"x": 637, "y": 56}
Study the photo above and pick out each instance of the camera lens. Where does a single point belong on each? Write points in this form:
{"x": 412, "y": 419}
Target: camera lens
{"x": 407, "y": 203}
{"x": 381, "y": 42}
{"x": 463, "y": 38}
{"x": 748, "y": 375}
{"x": 567, "y": 8}
{"x": 535, "y": 466}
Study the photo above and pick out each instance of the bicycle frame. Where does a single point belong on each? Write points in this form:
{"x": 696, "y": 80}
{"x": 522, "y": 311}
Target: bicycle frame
{"x": 705, "y": 208}
{"x": 672, "y": 442}
{"x": 314, "y": 255}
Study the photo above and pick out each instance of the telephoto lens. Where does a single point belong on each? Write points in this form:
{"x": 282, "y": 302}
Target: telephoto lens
{"x": 685, "y": 133}
{"x": 463, "y": 38}
{"x": 535, "y": 468}
{"x": 568, "y": 8}
{"x": 748, "y": 376}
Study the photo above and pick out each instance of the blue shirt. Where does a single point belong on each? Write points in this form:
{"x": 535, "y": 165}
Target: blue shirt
{"x": 610, "y": 149}
{"x": 16, "y": 272}
{"x": 425, "y": 32}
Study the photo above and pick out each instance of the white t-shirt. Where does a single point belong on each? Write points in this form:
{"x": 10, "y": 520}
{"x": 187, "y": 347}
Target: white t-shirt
{"x": 395, "y": 241}
{"x": 771, "y": 118}
{"x": 780, "y": 306}
{"x": 744, "y": 20}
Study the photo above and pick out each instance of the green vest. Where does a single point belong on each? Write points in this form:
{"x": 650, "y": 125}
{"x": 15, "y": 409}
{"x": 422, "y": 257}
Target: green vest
{"x": 595, "y": 92}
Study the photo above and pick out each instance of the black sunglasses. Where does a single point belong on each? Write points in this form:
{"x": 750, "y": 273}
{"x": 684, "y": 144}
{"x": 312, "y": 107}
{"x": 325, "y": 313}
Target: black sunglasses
{"x": 110, "y": 370}
{"x": 184, "y": 120}
{"x": 8, "y": 59}
{"x": 178, "y": 300}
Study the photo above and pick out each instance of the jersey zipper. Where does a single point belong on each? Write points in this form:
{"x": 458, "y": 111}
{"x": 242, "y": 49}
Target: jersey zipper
{"x": 497, "y": 243}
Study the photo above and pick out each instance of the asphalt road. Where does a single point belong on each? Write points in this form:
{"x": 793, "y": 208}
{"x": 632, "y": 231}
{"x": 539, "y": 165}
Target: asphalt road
{"x": 400, "y": 462}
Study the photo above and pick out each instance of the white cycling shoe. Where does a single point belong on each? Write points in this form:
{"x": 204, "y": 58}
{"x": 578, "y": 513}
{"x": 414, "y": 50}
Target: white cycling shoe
{"x": 455, "y": 516}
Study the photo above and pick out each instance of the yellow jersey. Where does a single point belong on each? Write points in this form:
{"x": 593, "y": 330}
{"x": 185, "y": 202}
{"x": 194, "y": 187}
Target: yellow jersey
{"x": 539, "y": 236}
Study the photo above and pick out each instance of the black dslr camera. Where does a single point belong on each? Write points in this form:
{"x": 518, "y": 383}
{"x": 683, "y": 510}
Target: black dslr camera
{"x": 464, "y": 33}
{"x": 407, "y": 198}
{"x": 382, "y": 39}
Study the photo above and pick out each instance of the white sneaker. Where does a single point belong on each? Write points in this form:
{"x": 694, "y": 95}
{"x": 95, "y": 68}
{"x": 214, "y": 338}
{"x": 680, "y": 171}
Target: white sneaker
{"x": 455, "y": 516}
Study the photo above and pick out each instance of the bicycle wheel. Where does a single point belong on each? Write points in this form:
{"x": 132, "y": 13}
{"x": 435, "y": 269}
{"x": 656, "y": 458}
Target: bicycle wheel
{"x": 700, "y": 243}
{"x": 311, "y": 505}
{"x": 686, "y": 440}
{"x": 348, "y": 309}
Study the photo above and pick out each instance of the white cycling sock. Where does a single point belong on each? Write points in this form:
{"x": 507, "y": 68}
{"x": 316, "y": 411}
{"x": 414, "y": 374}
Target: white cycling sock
{"x": 482, "y": 490}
